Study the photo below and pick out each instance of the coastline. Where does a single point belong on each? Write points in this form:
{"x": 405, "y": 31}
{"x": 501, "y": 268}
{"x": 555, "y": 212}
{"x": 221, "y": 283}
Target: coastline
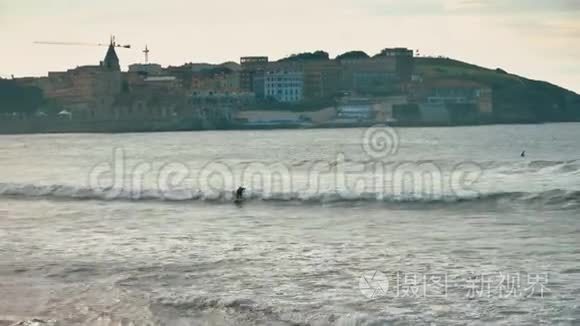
{"x": 189, "y": 126}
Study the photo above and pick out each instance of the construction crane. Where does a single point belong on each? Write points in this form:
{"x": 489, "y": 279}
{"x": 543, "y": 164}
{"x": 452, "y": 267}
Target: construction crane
{"x": 113, "y": 43}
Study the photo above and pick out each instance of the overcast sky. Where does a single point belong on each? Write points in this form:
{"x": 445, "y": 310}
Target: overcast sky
{"x": 539, "y": 39}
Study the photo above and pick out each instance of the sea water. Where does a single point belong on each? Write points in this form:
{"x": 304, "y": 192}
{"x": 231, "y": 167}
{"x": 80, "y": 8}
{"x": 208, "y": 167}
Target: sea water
{"x": 379, "y": 226}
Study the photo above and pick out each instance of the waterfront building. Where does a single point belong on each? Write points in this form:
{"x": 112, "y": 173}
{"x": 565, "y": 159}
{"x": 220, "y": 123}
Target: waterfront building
{"x": 284, "y": 82}
{"x": 355, "y": 112}
{"x": 458, "y": 92}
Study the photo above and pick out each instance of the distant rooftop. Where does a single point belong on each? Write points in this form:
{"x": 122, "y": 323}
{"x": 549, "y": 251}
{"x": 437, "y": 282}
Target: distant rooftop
{"x": 160, "y": 79}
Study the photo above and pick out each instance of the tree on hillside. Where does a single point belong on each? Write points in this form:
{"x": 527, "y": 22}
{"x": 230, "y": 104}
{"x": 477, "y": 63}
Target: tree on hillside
{"x": 353, "y": 55}
{"x": 307, "y": 56}
{"x": 18, "y": 99}
{"x": 216, "y": 71}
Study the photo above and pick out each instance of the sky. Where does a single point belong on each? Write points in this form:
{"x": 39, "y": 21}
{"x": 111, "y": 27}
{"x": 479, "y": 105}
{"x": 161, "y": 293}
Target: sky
{"x": 538, "y": 39}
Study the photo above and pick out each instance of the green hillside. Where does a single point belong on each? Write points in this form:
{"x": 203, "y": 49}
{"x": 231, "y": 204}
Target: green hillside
{"x": 516, "y": 99}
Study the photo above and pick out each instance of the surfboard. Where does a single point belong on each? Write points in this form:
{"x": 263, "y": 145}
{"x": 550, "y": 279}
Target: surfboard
{"x": 238, "y": 201}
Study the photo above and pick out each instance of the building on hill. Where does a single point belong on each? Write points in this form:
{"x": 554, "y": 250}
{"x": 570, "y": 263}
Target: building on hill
{"x": 218, "y": 108}
{"x": 367, "y": 109}
{"x": 144, "y": 77}
{"x": 321, "y": 79}
{"x": 111, "y": 61}
{"x": 137, "y": 83}
{"x": 87, "y": 91}
{"x": 148, "y": 69}
{"x": 455, "y": 100}
{"x": 454, "y": 91}
{"x": 396, "y": 52}
{"x": 293, "y": 81}
{"x": 168, "y": 84}
{"x": 388, "y": 72}
{"x": 252, "y": 73}
{"x": 404, "y": 62}
{"x": 150, "y": 105}
{"x": 183, "y": 73}
{"x": 284, "y": 82}
{"x": 216, "y": 80}
{"x": 369, "y": 76}
{"x": 186, "y": 72}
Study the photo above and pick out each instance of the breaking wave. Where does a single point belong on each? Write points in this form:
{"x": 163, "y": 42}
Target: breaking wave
{"x": 181, "y": 310}
{"x": 244, "y": 311}
{"x": 556, "y": 197}
{"x": 536, "y": 167}
{"x": 539, "y": 166}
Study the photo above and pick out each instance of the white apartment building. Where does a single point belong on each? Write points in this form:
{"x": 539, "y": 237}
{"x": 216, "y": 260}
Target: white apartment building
{"x": 284, "y": 84}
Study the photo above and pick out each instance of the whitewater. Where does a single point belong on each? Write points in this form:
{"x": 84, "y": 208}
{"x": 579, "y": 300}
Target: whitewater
{"x": 379, "y": 226}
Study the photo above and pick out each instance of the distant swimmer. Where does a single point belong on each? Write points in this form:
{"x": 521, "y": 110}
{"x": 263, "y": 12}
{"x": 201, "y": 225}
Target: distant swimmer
{"x": 240, "y": 193}
{"x": 523, "y": 154}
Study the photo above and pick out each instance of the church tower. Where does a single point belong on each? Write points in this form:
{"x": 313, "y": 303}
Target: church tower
{"x": 111, "y": 61}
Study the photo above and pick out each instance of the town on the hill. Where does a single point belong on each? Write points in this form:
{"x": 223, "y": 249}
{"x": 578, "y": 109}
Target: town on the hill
{"x": 306, "y": 90}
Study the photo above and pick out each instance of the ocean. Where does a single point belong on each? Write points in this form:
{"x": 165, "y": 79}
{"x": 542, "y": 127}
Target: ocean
{"x": 379, "y": 226}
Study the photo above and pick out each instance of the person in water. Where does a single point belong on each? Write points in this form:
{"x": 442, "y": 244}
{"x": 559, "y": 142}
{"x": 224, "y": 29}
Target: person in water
{"x": 240, "y": 193}
{"x": 523, "y": 154}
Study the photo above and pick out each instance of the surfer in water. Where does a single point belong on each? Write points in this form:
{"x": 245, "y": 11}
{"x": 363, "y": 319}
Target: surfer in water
{"x": 240, "y": 193}
{"x": 523, "y": 154}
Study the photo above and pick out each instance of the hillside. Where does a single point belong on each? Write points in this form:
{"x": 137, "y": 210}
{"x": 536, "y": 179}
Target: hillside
{"x": 516, "y": 99}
